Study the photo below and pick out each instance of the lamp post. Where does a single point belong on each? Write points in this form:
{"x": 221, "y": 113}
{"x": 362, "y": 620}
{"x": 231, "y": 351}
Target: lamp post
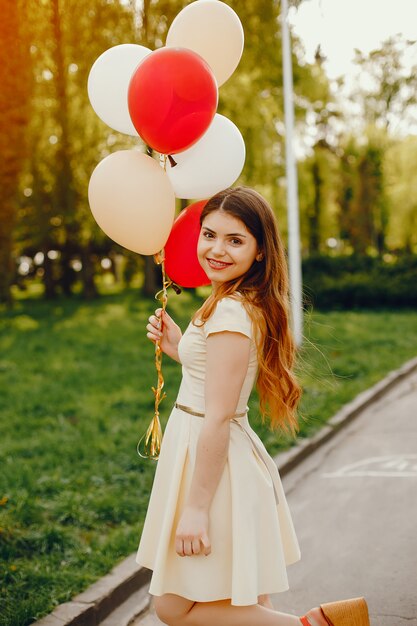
{"x": 294, "y": 252}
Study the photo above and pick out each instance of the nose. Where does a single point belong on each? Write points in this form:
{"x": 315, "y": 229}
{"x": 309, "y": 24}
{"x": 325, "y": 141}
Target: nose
{"x": 218, "y": 247}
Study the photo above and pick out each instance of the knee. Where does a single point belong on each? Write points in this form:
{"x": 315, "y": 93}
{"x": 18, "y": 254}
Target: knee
{"x": 170, "y": 613}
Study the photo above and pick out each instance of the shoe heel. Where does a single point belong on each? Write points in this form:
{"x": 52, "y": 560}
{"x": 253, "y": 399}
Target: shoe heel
{"x": 351, "y": 612}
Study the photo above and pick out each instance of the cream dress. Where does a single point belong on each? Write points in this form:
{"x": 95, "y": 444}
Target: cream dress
{"x": 250, "y": 527}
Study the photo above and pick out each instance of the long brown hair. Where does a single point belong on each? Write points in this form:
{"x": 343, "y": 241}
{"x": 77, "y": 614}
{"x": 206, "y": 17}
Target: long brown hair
{"x": 264, "y": 292}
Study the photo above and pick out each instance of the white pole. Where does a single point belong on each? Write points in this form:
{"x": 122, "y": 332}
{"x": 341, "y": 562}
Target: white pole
{"x": 294, "y": 253}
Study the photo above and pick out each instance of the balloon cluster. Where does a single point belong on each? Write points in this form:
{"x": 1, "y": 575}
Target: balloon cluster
{"x": 167, "y": 97}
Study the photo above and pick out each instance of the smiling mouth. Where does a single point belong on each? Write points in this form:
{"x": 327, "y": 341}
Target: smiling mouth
{"x": 218, "y": 265}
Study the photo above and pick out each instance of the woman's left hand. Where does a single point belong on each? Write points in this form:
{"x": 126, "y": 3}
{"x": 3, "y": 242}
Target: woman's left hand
{"x": 192, "y": 533}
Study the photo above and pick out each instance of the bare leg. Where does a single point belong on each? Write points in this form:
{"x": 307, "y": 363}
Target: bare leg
{"x": 265, "y": 600}
{"x": 316, "y": 618}
{"x": 177, "y": 611}
{"x": 224, "y": 613}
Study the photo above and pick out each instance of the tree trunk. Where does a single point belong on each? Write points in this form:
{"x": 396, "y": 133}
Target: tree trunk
{"x": 366, "y": 204}
{"x": 64, "y": 185}
{"x": 15, "y": 81}
{"x": 67, "y": 275}
{"x": 153, "y": 277}
{"x": 6, "y": 259}
{"x": 48, "y": 277}
{"x": 89, "y": 286}
{"x": 315, "y": 212}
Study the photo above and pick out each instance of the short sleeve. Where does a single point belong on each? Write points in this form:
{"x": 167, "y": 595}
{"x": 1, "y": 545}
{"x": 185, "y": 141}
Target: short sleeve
{"x": 229, "y": 314}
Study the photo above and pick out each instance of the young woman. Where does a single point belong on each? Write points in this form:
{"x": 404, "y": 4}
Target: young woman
{"x": 218, "y": 533}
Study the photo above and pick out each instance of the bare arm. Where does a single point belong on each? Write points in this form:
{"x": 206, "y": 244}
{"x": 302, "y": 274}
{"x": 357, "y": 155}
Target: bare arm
{"x": 227, "y": 363}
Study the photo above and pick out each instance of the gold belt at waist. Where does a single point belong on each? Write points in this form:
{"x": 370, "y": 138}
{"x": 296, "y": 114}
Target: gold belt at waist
{"x": 187, "y": 409}
{"x": 260, "y": 452}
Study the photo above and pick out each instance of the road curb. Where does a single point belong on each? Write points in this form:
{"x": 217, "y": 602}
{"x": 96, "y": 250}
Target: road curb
{"x": 98, "y": 601}
{"x": 93, "y": 605}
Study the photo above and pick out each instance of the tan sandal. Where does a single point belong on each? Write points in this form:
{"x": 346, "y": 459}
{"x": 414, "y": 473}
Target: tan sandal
{"x": 351, "y": 612}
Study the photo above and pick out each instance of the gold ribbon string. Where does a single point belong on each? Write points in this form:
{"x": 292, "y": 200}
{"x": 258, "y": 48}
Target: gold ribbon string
{"x": 153, "y": 435}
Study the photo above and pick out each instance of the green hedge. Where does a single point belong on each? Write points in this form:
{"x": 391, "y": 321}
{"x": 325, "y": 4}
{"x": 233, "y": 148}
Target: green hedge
{"x": 359, "y": 282}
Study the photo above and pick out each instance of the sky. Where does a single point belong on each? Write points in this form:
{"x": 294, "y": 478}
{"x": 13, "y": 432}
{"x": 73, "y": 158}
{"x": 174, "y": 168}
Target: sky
{"x": 339, "y": 26}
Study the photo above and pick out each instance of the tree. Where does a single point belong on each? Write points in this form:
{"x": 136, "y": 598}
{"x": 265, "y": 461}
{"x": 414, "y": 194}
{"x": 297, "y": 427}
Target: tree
{"x": 320, "y": 132}
{"x": 16, "y": 86}
{"x": 347, "y": 190}
{"x": 386, "y": 89}
{"x": 361, "y": 196}
{"x": 401, "y": 191}
{"x": 67, "y": 139}
{"x": 371, "y": 215}
{"x": 386, "y": 95}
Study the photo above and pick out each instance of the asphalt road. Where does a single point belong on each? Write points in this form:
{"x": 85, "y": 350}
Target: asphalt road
{"x": 354, "y": 506}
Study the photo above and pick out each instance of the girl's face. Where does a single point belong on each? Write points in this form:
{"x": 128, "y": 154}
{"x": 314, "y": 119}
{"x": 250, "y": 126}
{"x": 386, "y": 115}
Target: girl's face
{"x": 226, "y": 249}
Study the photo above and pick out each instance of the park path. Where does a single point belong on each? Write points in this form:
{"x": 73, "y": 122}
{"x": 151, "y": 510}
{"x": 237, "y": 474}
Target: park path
{"x": 354, "y": 506}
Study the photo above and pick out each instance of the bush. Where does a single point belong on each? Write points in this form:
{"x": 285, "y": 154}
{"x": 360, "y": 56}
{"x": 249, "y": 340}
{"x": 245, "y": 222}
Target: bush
{"x": 359, "y": 282}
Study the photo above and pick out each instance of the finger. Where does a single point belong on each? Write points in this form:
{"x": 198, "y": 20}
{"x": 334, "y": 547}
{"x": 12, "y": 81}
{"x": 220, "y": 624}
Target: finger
{"x": 195, "y": 545}
{"x": 166, "y": 318}
{"x": 151, "y": 328}
{"x": 154, "y": 335}
{"x": 187, "y": 547}
{"x": 154, "y": 321}
{"x": 179, "y": 548}
{"x": 154, "y": 330}
{"x": 206, "y": 545}
{"x": 159, "y": 316}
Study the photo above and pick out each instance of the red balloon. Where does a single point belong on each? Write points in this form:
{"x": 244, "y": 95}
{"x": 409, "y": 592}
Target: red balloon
{"x": 181, "y": 261}
{"x": 172, "y": 99}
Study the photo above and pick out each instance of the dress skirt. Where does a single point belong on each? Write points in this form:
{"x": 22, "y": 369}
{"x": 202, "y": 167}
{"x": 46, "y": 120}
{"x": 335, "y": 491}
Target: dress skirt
{"x": 252, "y": 535}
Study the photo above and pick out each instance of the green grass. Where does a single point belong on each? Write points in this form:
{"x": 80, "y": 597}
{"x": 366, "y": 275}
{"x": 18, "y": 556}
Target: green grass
{"x": 75, "y": 383}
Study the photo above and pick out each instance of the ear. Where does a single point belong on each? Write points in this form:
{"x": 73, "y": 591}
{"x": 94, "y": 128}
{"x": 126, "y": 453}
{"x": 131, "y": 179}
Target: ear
{"x": 259, "y": 256}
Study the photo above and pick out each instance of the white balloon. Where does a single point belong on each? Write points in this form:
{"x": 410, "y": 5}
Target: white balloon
{"x": 213, "y": 30}
{"x": 108, "y": 84}
{"x": 210, "y": 165}
{"x": 132, "y": 200}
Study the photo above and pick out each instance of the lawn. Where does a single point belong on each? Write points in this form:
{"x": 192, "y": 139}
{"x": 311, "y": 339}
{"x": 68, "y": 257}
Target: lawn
{"x": 75, "y": 382}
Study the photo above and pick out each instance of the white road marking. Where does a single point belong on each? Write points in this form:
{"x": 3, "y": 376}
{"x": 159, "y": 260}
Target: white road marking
{"x": 394, "y": 465}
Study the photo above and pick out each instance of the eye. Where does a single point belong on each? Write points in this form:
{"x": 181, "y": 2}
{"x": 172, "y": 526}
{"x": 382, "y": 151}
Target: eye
{"x": 236, "y": 241}
{"x": 207, "y": 235}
